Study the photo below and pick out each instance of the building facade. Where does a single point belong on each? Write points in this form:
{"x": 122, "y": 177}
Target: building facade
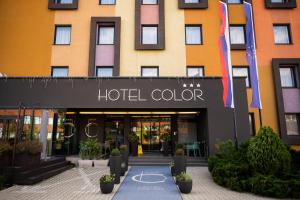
{"x": 105, "y": 68}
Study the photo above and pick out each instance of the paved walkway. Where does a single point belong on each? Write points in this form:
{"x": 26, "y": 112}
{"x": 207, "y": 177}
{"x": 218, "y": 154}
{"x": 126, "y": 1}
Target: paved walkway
{"x": 77, "y": 183}
{"x": 148, "y": 183}
{"x": 204, "y": 188}
{"x": 84, "y": 184}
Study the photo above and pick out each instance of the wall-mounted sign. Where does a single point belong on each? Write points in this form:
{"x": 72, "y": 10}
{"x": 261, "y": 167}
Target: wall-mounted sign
{"x": 186, "y": 93}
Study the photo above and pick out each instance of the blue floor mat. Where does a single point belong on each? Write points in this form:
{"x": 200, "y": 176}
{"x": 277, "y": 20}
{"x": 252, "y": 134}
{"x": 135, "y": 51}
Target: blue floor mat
{"x": 148, "y": 183}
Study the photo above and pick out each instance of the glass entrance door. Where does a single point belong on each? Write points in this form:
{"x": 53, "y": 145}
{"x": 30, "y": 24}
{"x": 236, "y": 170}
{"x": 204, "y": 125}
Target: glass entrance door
{"x": 149, "y": 129}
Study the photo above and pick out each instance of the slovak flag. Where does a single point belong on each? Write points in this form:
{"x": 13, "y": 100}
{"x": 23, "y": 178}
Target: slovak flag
{"x": 224, "y": 46}
{"x": 251, "y": 57}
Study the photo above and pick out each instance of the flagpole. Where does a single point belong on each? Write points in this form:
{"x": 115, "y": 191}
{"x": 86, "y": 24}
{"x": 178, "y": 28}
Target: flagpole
{"x": 260, "y": 118}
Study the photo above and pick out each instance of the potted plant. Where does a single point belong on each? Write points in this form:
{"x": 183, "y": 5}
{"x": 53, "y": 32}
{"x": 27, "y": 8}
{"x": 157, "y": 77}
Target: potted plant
{"x": 179, "y": 161}
{"x": 107, "y": 184}
{"x": 133, "y": 140}
{"x": 90, "y": 150}
{"x": 5, "y": 151}
{"x": 185, "y": 183}
{"x": 28, "y": 153}
{"x": 172, "y": 168}
{"x": 124, "y": 153}
{"x": 165, "y": 137}
{"x": 115, "y": 161}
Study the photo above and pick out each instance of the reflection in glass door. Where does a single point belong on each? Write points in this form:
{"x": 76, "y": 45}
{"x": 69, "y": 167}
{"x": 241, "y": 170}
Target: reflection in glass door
{"x": 149, "y": 129}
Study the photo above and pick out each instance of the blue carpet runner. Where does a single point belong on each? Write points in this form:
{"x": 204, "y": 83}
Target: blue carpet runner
{"x": 148, "y": 183}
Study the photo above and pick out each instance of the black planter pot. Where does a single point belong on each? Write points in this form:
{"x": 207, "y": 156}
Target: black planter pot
{"x": 115, "y": 167}
{"x": 134, "y": 148}
{"x": 179, "y": 164}
{"x": 185, "y": 187}
{"x": 125, "y": 159}
{"x": 173, "y": 171}
{"x": 166, "y": 148}
{"x": 106, "y": 188}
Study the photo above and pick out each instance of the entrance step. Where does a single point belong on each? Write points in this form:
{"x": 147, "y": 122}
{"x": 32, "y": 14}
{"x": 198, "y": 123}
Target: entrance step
{"x": 159, "y": 160}
{"x": 44, "y": 171}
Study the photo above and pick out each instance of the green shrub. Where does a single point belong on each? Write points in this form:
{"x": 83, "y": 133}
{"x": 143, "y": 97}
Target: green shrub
{"x": 267, "y": 154}
{"x": 115, "y": 152}
{"x": 269, "y": 185}
{"x": 106, "y": 179}
{"x": 132, "y": 138}
{"x": 5, "y": 148}
{"x": 29, "y": 147}
{"x": 165, "y": 137}
{"x": 183, "y": 177}
{"x": 179, "y": 146}
{"x": 179, "y": 152}
{"x": 90, "y": 149}
{"x": 123, "y": 147}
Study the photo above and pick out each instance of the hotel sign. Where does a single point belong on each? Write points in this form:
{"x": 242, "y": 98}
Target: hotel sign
{"x": 189, "y": 93}
{"x": 108, "y": 93}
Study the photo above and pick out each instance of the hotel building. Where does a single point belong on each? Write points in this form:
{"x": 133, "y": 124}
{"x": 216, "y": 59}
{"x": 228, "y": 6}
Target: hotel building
{"x": 75, "y": 69}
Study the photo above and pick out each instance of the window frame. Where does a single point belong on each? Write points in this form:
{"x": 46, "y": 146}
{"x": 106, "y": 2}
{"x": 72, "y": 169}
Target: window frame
{"x": 240, "y": 2}
{"x": 53, "y": 5}
{"x": 248, "y": 71}
{"x": 294, "y": 76}
{"x": 289, "y": 34}
{"x": 55, "y": 33}
{"x": 107, "y": 4}
{"x": 157, "y": 2}
{"x": 104, "y": 67}
{"x": 287, "y": 5}
{"x": 106, "y": 25}
{"x": 201, "y": 33}
{"x": 203, "y": 4}
{"x": 298, "y": 123}
{"x": 150, "y": 67}
{"x": 142, "y": 32}
{"x": 198, "y": 67}
{"x": 238, "y": 46}
{"x": 59, "y": 67}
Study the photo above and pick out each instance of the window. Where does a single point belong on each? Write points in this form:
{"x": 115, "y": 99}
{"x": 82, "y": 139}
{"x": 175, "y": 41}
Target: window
{"x": 287, "y": 76}
{"x": 193, "y": 34}
{"x": 282, "y": 34}
{"x": 149, "y": 72}
{"x": 62, "y": 35}
{"x": 106, "y": 35}
{"x": 195, "y": 71}
{"x": 234, "y": 1}
{"x": 149, "y": 35}
{"x": 292, "y": 124}
{"x": 107, "y": 2}
{"x": 281, "y": 4}
{"x": 37, "y": 120}
{"x": 60, "y": 71}
{"x": 191, "y": 1}
{"x": 279, "y": 1}
{"x": 27, "y": 119}
{"x": 64, "y": 1}
{"x": 252, "y": 124}
{"x": 237, "y": 34}
{"x": 104, "y": 71}
{"x": 149, "y": 2}
{"x": 242, "y": 72}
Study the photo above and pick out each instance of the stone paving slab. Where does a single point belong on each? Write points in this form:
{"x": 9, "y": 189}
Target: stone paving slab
{"x": 76, "y": 183}
{"x": 204, "y": 188}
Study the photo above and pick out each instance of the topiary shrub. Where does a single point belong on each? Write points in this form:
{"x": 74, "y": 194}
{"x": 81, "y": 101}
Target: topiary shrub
{"x": 269, "y": 185}
{"x": 267, "y": 154}
{"x": 179, "y": 152}
{"x": 115, "y": 152}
